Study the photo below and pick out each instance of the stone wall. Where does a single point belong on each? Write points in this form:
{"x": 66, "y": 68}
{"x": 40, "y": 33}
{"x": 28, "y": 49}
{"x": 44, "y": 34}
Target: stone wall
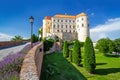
{"x": 31, "y": 67}
{"x": 68, "y": 36}
{"x": 10, "y": 43}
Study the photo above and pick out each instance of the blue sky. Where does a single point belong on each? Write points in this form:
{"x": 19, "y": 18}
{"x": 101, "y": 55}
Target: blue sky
{"x": 14, "y": 15}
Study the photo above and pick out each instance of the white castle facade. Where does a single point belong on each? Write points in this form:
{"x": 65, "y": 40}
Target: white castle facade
{"x": 66, "y": 27}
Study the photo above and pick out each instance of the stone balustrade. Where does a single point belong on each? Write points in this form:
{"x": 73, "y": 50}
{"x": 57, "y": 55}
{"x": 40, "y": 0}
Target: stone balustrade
{"x": 32, "y": 64}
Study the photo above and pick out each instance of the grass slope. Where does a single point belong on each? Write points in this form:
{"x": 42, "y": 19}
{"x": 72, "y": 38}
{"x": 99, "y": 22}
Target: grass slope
{"x": 107, "y": 68}
{"x": 66, "y": 71}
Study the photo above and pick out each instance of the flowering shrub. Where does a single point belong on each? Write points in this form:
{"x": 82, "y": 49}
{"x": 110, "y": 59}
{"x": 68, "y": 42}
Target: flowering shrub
{"x": 10, "y": 66}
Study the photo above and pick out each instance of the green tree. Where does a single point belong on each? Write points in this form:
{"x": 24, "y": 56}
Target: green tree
{"x": 77, "y": 53}
{"x": 48, "y": 44}
{"x": 117, "y": 45}
{"x": 70, "y": 54}
{"x": 89, "y": 56}
{"x": 65, "y": 49}
{"x": 105, "y": 45}
{"x": 17, "y": 38}
{"x": 41, "y": 33}
{"x": 34, "y": 38}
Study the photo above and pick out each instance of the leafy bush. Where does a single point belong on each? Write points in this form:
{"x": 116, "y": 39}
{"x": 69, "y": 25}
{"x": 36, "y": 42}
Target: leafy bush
{"x": 105, "y": 45}
{"x": 117, "y": 45}
{"x": 48, "y": 44}
{"x": 70, "y": 54}
{"x": 34, "y": 38}
{"x": 65, "y": 49}
{"x": 89, "y": 56}
{"x": 76, "y": 53}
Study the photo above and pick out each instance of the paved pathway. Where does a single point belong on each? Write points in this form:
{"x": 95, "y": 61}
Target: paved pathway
{"x": 12, "y": 50}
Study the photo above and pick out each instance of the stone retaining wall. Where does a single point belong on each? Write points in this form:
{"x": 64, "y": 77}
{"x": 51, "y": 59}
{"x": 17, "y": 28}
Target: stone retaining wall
{"x": 32, "y": 64}
{"x": 10, "y": 43}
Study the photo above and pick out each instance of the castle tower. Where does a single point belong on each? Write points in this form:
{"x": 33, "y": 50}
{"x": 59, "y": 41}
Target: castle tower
{"x": 46, "y": 26}
{"x": 82, "y": 26}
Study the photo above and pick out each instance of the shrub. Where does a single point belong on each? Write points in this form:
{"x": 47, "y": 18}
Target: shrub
{"x": 65, "y": 49}
{"x": 70, "y": 54}
{"x": 34, "y": 38}
{"x": 48, "y": 44}
{"x": 77, "y": 53}
{"x": 89, "y": 56}
{"x": 105, "y": 45}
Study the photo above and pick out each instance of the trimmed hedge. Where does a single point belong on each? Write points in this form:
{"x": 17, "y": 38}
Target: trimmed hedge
{"x": 48, "y": 44}
{"x": 65, "y": 49}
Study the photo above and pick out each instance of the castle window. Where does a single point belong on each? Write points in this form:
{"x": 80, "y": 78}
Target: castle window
{"x": 58, "y": 20}
{"x": 82, "y": 25}
{"x": 54, "y": 20}
{"x": 61, "y": 20}
{"x": 82, "y": 19}
{"x": 53, "y": 26}
{"x": 73, "y": 21}
{"x": 61, "y": 26}
{"x": 70, "y": 26}
{"x": 57, "y": 30}
{"x": 69, "y": 20}
{"x": 61, "y": 30}
{"x": 66, "y": 26}
{"x": 58, "y": 26}
{"x": 65, "y": 20}
{"x": 70, "y": 31}
{"x": 66, "y": 30}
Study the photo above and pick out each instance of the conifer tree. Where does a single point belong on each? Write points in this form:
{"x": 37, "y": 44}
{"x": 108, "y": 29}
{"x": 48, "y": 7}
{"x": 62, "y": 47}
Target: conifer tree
{"x": 89, "y": 56}
{"x": 65, "y": 49}
{"x": 76, "y": 53}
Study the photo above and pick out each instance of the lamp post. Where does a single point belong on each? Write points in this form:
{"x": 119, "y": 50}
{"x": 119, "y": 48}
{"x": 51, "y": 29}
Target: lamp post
{"x": 31, "y": 22}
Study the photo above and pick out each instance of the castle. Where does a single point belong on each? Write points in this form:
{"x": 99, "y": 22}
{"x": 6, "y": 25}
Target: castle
{"x": 66, "y": 27}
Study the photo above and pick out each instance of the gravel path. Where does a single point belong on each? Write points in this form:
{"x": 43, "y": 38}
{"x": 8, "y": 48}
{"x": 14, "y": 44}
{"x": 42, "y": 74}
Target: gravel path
{"x": 12, "y": 50}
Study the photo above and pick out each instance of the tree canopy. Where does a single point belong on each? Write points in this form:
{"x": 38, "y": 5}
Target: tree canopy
{"x": 17, "y": 38}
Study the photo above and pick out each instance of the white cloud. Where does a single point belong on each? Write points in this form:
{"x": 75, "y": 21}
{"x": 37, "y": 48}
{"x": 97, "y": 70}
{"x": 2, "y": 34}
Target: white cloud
{"x": 5, "y": 37}
{"x": 105, "y": 30}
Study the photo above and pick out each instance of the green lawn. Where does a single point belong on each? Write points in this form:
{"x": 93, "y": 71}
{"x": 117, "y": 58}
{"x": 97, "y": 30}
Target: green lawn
{"x": 56, "y": 67}
{"x": 108, "y": 68}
